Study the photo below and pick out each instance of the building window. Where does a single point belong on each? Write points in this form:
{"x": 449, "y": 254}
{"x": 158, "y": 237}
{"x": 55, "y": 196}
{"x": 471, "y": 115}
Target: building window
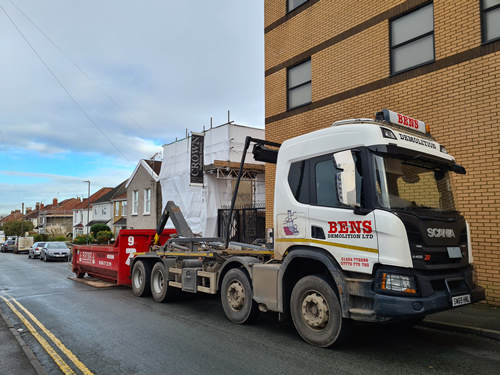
{"x": 412, "y": 39}
{"x": 117, "y": 209}
{"x": 292, "y": 4}
{"x": 124, "y": 208}
{"x": 490, "y": 20}
{"x": 147, "y": 201}
{"x": 103, "y": 210}
{"x": 299, "y": 85}
{"x": 135, "y": 202}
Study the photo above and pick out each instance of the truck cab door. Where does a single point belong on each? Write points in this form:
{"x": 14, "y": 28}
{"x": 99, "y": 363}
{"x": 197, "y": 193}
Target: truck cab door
{"x": 336, "y": 190}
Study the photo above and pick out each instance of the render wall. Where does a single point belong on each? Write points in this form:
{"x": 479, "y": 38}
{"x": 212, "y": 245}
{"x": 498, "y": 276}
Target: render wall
{"x": 457, "y": 95}
{"x": 143, "y": 180}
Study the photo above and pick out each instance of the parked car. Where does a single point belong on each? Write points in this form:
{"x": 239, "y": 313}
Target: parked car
{"x": 9, "y": 245}
{"x": 34, "y": 250}
{"x": 54, "y": 250}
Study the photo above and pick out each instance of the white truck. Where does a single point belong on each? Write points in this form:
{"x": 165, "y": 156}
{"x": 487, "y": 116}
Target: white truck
{"x": 365, "y": 228}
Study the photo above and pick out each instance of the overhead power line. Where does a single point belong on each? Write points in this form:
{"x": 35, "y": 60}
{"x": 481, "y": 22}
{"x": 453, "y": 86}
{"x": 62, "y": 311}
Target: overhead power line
{"x": 83, "y": 72}
{"x": 63, "y": 87}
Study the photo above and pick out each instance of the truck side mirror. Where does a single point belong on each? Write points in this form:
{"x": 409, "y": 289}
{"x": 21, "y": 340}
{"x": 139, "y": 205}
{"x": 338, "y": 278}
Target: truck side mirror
{"x": 346, "y": 178}
{"x": 458, "y": 169}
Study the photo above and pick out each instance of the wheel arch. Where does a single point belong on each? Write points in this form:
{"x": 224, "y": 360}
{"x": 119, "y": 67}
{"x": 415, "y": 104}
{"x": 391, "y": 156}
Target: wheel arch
{"x": 237, "y": 262}
{"x": 303, "y": 261}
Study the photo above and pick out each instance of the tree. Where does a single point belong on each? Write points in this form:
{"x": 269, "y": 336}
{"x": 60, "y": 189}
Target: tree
{"x": 96, "y": 228}
{"x": 17, "y": 228}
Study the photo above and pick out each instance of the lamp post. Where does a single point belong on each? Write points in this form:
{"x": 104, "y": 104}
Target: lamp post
{"x": 88, "y": 210}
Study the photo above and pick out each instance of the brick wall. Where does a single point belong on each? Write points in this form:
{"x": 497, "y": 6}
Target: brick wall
{"x": 457, "y": 95}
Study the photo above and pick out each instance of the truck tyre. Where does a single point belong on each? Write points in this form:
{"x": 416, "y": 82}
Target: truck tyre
{"x": 316, "y": 313}
{"x": 160, "y": 289}
{"x": 236, "y": 297}
{"x": 141, "y": 276}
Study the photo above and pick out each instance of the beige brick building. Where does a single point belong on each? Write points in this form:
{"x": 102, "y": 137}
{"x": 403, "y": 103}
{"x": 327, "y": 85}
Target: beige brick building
{"x": 438, "y": 61}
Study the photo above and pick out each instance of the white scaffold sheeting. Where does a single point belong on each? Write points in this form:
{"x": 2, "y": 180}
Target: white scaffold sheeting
{"x": 200, "y": 204}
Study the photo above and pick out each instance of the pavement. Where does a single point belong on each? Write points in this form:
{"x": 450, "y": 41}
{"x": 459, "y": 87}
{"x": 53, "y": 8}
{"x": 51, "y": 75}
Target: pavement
{"x": 477, "y": 319}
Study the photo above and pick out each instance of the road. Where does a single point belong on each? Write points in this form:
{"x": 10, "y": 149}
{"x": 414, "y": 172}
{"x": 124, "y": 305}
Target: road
{"x": 110, "y": 331}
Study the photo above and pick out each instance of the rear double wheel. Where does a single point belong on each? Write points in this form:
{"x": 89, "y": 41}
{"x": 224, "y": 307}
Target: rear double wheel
{"x": 236, "y": 297}
{"x": 160, "y": 289}
{"x": 316, "y": 312}
{"x": 141, "y": 276}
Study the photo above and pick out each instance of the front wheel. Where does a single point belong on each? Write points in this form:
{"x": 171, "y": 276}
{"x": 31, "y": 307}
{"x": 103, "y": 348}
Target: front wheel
{"x": 316, "y": 312}
{"x": 160, "y": 289}
{"x": 236, "y": 297}
{"x": 141, "y": 276}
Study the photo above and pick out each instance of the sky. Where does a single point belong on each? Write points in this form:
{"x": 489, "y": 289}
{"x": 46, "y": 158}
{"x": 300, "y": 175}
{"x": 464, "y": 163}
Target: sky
{"x": 90, "y": 87}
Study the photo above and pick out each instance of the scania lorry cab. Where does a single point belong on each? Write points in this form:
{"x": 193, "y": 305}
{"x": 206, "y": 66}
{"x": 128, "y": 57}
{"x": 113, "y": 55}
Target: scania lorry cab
{"x": 373, "y": 201}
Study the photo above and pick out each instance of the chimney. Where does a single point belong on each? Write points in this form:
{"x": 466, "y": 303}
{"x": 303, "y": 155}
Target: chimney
{"x": 54, "y": 201}
{"x": 37, "y": 206}
{"x": 42, "y": 206}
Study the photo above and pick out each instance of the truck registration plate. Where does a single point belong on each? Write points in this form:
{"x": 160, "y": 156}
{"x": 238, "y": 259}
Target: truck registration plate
{"x": 460, "y": 300}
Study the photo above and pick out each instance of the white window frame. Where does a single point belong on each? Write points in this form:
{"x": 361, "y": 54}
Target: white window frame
{"x": 489, "y": 8}
{"x": 124, "y": 208}
{"x": 117, "y": 208}
{"x": 147, "y": 201}
{"x": 135, "y": 202}
{"x": 293, "y": 84}
{"x": 398, "y": 47}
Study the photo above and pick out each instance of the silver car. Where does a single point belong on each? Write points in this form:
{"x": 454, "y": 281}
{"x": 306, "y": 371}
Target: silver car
{"x": 34, "y": 251}
{"x": 54, "y": 250}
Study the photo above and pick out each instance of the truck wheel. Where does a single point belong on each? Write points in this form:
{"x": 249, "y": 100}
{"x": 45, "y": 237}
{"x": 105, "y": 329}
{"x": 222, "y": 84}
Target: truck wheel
{"x": 316, "y": 313}
{"x": 160, "y": 289}
{"x": 236, "y": 296}
{"x": 141, "y": 276}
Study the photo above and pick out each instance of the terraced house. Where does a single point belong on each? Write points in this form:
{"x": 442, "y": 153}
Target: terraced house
{"x": 438, "y": 61}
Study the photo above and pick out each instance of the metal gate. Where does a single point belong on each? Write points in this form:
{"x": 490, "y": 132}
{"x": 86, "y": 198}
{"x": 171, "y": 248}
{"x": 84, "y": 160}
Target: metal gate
{"x": 247, "y": 224}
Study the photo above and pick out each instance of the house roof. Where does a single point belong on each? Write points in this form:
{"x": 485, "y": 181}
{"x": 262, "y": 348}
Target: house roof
{"x": 153, "y": 168}
{"x": 98, "y": 194}
{"x": 122, "y": 197}
{"x": 92, "y": 222}
{"x": 155, "y": 165}
{"x": 62, "y": 208}
{"x": 122, "y": 222}
{"x": 14, "y": 216}
{"x": 33, "y": 214}
{"x": 117, "y": 190}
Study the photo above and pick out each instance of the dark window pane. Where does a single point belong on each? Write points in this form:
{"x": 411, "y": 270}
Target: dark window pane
{"x": 298, "y": 179}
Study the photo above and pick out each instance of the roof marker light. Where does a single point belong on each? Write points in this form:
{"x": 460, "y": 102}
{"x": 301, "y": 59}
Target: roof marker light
{"x": 387, "y": 133}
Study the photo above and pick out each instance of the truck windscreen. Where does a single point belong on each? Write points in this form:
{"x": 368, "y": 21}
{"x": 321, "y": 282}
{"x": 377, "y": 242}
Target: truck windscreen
{"x": 412, "y": 184}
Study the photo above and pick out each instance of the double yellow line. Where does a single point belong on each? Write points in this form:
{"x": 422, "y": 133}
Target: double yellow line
{"x": 65, "y": 368}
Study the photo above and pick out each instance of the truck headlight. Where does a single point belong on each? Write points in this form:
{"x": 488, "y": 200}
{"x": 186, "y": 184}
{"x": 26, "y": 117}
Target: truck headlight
{"x": 390, "y": 282}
